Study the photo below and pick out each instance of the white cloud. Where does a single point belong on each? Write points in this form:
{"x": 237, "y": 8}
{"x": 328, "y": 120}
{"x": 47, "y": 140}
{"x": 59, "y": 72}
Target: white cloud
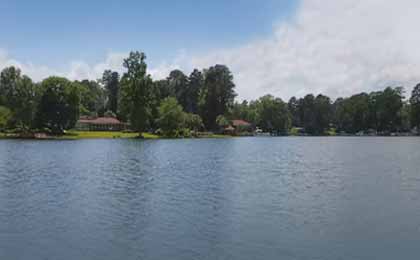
{"x": 332, "y": 47}
{"x": 336, "y": 47}
{"x": 78, "y": 70}
{"x": 38, "y": 72}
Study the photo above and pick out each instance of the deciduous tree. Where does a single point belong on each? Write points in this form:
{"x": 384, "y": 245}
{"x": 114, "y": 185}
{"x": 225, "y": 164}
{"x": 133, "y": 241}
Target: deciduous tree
{"x": 415, "y": 107}
{"x": 219, "y": 94}
{"x": 274, "y": 116}
{"x": 136, "y": 87}
{"x": 58, "y": 109}
{"x": 5, "y": 115}
{"x": 171, "y": 117}
{"x": 18, "y": 94}
{"x": 111, "y": 82}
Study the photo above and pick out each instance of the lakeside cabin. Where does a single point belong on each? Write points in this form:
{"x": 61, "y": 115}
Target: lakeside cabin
{"x": 86, "y": 123}
{"x": 238, "y": 126}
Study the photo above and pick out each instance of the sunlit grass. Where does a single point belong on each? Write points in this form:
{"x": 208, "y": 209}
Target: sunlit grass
{"x": 294, "y": 131}
{"x": 332, "y": 132}
{"x": 104, "y": 135}
{"x": 76, "y": 135}
{"x": 217, "y": 136}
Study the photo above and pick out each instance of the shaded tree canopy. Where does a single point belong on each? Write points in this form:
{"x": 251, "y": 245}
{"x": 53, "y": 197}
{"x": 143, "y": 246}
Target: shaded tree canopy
{"x": 415, "y": 106}
{"x": 5, "y": 115}
{"x": 111, "y": 82}
{"x": 58, "y": 108}
{"x": 195, "y": 88}
{"x": 274, "y": 116}
{"x": 171, "y": 116}
{"x": 136, "y": 87}
{"x": 93, "y": 98}
{"x": 219, "y": 94}
{"x": 193, "y": 122}
{"x": 17, "y": 93}
{"x": 222, "y": 121}
{"x": 352, "y": 114}
{"x": 178, "y": 86}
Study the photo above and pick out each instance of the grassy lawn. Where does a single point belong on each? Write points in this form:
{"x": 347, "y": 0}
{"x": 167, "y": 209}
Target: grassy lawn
{"x": 110, "y": 135}
{"x": 104, "y": 135}
{"x": 332, "y": 132}
{"x": 76, "y": 135}
{"x": 7, "y": 135}
{"x": 211, "y": 135}
{"x": 217, "y": 136}
{"x": 294, "y": 131}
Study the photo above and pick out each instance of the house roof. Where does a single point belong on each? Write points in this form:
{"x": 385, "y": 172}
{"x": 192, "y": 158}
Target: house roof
{"x": 239, "y": 122}
{"x": 100, "y": 121}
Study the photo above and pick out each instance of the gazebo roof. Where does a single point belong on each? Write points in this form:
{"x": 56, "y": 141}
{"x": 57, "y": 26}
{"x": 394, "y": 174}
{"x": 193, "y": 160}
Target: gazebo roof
{"x": 100, "y": 121}
{"x": 239, "y": 122}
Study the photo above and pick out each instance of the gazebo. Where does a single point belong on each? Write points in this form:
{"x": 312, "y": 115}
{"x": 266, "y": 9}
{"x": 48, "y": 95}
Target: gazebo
{"x": 100, "y": 124}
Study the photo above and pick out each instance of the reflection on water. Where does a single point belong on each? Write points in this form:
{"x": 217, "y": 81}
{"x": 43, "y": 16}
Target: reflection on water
{"x": 245, "y": 198}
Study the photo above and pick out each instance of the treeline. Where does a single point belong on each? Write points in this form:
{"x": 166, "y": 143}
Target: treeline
{"x": 174, "y": 106}
{"x": 200, "y": 101}
{"x": 380, "y": 112}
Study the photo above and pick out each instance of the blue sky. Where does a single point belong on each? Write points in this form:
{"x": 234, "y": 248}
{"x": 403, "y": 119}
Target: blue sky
{"x": 280, "y": 47}
{"x": 55, "y": 32}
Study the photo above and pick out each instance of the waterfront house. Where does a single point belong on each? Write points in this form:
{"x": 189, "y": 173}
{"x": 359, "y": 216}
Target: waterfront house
{"x": 241, "y": 126}
{"x": 100, "y": 124}
{"x": 229, "y": 130}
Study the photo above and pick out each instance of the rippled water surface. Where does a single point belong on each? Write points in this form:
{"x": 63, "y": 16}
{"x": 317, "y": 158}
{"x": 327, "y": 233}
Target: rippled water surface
{"x": 245, "y": 198}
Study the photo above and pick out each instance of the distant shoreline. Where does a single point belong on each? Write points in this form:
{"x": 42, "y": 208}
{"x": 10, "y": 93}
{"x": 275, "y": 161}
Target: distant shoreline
{"x": 86, "y": 135}
{"x": 83, "y": 135}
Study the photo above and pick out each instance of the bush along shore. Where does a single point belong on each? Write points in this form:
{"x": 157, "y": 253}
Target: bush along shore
{"x": 201, "y": 104}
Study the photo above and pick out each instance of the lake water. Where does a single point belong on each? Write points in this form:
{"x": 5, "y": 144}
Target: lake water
{"x": 241, "y": 198}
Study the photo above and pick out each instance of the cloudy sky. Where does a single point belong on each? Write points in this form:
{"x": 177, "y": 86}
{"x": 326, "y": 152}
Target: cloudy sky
{"x": 283, "y": 47}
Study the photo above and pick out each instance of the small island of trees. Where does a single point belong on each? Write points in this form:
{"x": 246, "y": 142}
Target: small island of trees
{"x": 185, "y": 105}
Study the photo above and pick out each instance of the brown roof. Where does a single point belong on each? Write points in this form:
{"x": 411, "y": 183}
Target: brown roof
{"x": 239, "y": 122}
{"x": 100, "y": 121}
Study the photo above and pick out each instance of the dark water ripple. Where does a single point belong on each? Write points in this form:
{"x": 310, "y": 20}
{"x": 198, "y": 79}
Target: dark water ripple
{"x": 246, "y": 198}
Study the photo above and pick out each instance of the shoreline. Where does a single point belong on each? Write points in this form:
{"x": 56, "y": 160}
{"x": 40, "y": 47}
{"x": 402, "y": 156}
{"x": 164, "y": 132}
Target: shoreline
{"x": 86, "y": 135}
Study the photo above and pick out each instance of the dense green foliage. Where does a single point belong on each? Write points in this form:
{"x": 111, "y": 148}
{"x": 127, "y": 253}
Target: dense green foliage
{"x": 5, "y": 115}
{"x": 222, "y": 121}
{"x": 58, "y": 108}
{"x": 171, "y": 117}
{"x": 274, "y": 116}
{"x": 193, "y": 122}
{"x": 111, "y": 82}
{"x": 218, "y": 94}
{"x": 174, "y": 122}
{"x": 17, "y": 93}
{"x": 93, "y": 100}
{"x": 136, "y": 87}
{"x": 415, "y": 106}
{"x": 183, "y": 104}
{"x": 380, "y": 112}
